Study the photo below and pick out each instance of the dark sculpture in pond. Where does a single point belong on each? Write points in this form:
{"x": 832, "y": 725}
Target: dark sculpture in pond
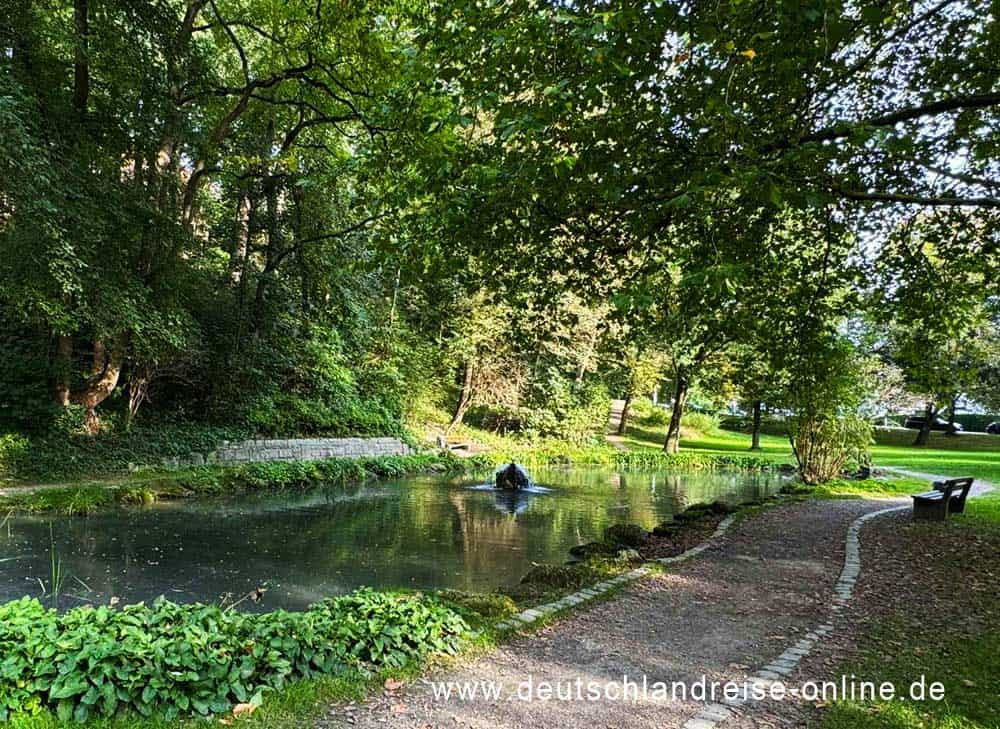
{"x": 512, "y": 478}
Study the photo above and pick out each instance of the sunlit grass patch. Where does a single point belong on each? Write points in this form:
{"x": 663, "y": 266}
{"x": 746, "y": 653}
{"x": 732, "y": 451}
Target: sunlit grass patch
{"x": 968, "y": 667}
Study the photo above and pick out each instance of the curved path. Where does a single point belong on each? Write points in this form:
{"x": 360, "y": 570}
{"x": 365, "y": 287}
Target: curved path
{"x": 768, "y": 584}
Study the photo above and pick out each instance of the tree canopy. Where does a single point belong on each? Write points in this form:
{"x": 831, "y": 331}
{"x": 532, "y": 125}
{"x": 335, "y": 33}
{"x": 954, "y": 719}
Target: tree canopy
{"x": 313, "y": 219}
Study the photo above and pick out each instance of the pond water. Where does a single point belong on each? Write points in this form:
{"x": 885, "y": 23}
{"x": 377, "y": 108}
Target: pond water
{"x": 419, "y": 532}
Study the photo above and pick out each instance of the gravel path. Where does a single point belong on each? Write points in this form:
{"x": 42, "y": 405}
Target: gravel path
{"x": 887, "y": 590}
{"x": 722, "y": 616}
{"x": 611, "y": 432}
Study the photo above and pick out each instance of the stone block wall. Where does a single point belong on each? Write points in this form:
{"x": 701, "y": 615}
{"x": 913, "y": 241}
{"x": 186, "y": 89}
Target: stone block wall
{"x": 293, "y": 449}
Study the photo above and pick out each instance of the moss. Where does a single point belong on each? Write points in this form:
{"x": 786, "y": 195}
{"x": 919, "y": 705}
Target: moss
{"x": 593, "y": 549}
{"x": 630, "y": 535}
{"x": 490, "y": 605}
{"x": 552, "y": 575}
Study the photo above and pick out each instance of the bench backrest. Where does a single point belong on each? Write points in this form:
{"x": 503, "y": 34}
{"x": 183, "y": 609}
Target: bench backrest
{"x": 957, "y": 487}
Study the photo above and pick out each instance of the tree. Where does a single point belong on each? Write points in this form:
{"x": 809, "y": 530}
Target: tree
{"x": 637, "y": 372}
{"x": 132, "y": 113}
{"x": 931, "y": 303}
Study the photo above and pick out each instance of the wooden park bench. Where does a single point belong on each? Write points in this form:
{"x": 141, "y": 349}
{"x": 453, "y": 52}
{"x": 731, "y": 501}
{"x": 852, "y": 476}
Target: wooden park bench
{"x": 948, "y": 497}
{"x": 451, "y": 445}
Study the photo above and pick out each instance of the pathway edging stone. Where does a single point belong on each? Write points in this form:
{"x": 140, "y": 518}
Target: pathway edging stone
{"x": 708, "y": 717}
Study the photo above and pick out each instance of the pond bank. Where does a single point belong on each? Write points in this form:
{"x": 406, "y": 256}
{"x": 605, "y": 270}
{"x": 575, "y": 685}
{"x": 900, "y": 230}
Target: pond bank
{"x": 724, "y": 615}
{"x": 144, "y": 488}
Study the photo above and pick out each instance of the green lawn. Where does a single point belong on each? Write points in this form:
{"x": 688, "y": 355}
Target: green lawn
{"x": 720, "y": 441}
{"x": 964, "y": 455}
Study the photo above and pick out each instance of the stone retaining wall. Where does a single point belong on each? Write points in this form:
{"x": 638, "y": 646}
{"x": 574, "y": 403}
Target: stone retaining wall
{"x": 293, "y": 449}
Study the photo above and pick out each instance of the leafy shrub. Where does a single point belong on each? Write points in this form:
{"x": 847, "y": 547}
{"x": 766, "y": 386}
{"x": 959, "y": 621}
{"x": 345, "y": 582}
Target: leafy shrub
{"x": 313, "y": 388}
{"x": 561, "y": 413}
{"x": 58, "y": 455}
{"x": 175, "y": 659}
{"x": 648, "y": 414}
{"x": 699, "y": 422}
{"x": 13, "y": 454}
{"x": 824, "y": 446}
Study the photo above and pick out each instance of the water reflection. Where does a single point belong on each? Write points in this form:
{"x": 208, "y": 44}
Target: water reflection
{"x": 423, "y": 532}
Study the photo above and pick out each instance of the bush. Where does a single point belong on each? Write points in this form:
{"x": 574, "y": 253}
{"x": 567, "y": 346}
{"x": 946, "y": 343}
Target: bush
{"x": 648, "y": 414}
{"x": 174, "y": 659}
{"x": 13, "y": 454}
{"x": 699, "y": 422}
{"x": 824, "y": 446}
{"x": 58, "y": 455}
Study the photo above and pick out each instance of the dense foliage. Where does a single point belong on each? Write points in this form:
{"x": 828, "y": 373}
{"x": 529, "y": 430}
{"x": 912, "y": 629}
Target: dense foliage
{"x": 175, "y": 660}
{"x": 293, "y": 219}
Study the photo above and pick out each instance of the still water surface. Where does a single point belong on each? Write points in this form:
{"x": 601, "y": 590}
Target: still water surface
{"x": 419, "y": 532}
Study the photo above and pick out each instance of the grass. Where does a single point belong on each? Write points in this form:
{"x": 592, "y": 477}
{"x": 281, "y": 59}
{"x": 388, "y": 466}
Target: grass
{"x": 877, "y": 488}
{"x": 968, "y": 669}
{"x": 900, "y": 651}
{"x": 965, "y": 455}
{"x": 719, "y": 442}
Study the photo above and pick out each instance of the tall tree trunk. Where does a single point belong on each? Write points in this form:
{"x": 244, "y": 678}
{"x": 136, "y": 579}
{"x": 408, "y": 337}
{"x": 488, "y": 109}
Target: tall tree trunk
{"x": 623, "y": 421}
{"x": 464, "y": 399}
{"x": 81, "y": 62}
{"x": 672, "y": 444}
{"x": 925, "y": 430}
{"x": 105, "y": 371}
{"x": 951, "y": 415}
{"x": 755, "y": 435}
{"x": 241, "y": 239}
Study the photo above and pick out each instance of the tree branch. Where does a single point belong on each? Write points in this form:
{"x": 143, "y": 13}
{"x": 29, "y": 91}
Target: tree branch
{"x": 845, "y": 128}
{"x": 893, "y": 197}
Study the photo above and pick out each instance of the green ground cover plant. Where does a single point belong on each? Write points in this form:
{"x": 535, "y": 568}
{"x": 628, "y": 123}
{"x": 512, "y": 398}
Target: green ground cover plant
{"x": 178, "y": 660}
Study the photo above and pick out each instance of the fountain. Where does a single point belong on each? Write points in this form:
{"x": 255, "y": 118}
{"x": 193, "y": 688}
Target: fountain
{"x": 512, "y": 478}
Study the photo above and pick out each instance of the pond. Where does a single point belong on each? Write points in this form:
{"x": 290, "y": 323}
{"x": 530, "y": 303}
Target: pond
{"x": 418, "y": 532}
